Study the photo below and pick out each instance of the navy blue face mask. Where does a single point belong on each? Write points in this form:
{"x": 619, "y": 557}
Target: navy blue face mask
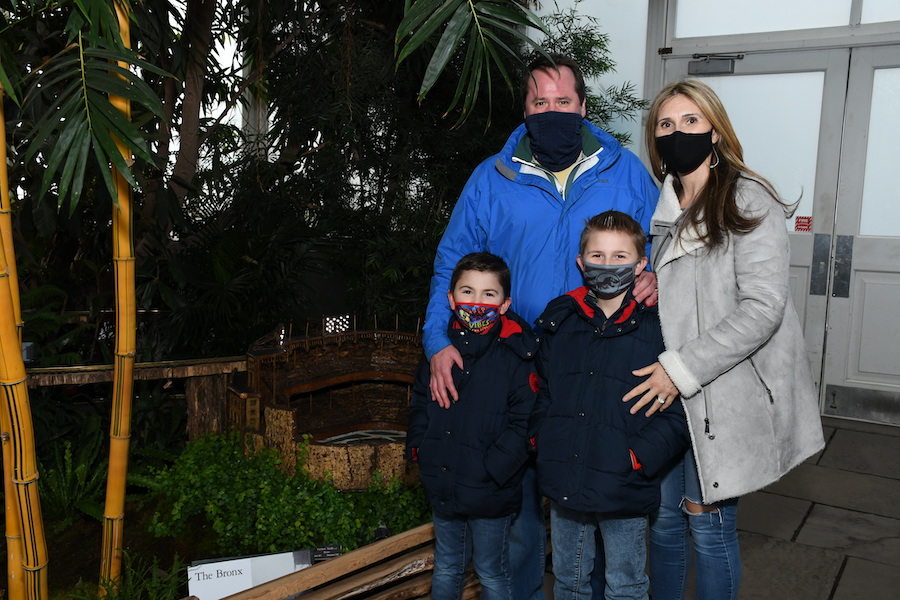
{"x": 555, "y": 138}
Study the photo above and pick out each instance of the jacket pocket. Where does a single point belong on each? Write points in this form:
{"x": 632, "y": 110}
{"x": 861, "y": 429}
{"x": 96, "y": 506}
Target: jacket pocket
{"x": 762, "y": 381}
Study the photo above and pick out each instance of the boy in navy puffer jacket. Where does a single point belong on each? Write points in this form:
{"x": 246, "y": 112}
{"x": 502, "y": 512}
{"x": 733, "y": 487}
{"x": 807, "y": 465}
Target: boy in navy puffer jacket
{"x": 472, "y": 455}
{"x": 599, "y": 464}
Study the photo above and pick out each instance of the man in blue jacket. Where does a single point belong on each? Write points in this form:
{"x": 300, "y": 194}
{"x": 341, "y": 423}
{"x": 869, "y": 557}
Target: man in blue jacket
{"x": 528, "y": 204}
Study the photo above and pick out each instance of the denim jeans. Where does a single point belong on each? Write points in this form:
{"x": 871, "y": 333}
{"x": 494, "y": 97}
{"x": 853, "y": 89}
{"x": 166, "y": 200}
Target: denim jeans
{"x": 714, "y": 537}
{"x": 485, "y": 542}
{"x": 574, "y": 548}
{"x": 528, "y": 542}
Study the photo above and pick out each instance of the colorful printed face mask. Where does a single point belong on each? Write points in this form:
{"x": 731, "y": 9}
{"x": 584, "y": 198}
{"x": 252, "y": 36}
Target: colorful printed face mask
{"x": 608, "y": 281}
{"x": 478, "y": 318}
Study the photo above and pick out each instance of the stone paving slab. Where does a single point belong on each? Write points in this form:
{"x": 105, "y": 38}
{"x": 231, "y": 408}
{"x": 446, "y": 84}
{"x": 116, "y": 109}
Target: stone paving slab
{"x": 852, "y": 533}
{"x": 866, "y": 580}
{"x": 772, "y": 515}
{"x": 777, "y": 570}
{"x": 867, "y": 453}
{"x": 863, "y": 426}
{"x": 844, "y": 489}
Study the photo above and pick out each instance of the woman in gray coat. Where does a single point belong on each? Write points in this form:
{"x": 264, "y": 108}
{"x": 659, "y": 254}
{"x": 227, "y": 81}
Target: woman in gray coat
{"x": 735, "y": 355}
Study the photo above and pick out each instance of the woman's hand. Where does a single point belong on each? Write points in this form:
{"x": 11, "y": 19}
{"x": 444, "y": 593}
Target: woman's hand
{"x": 657, "y": 390}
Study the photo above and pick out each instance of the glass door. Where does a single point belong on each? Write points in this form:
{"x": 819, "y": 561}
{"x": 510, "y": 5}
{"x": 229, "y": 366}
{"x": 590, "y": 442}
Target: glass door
{"x": 861, "y": 372}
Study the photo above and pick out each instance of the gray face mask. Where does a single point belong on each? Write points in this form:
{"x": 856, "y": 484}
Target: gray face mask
{"x": 608, "y": 281}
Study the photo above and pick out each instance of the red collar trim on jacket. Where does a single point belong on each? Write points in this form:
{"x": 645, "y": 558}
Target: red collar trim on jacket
{"x": 509, "y": 327}
{"x": 580, "y": 296}
{"x": 627, "y": 310}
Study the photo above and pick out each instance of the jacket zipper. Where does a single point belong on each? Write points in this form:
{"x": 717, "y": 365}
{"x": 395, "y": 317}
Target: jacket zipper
{"x": 762, "y": 381}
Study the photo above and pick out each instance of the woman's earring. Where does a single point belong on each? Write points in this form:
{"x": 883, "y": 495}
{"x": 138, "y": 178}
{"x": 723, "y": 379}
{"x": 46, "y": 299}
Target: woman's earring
{"x": 662, "y": 166}
{"x": 715, "y": 164}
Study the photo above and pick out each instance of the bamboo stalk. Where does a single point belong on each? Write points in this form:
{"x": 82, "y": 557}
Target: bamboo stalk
{"x": 123, "y": 368}
{"x": 12, "y": 470}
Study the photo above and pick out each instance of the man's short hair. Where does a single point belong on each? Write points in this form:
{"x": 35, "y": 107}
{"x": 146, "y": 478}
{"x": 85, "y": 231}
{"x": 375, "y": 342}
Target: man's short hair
{"x": 486, "y": 263}
{"x": 613, "y": 220}
{"x": 541, "y": 63}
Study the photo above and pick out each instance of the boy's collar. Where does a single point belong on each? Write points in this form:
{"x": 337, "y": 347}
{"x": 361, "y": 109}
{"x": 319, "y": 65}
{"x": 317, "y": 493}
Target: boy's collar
{"x": 588, "y": 303}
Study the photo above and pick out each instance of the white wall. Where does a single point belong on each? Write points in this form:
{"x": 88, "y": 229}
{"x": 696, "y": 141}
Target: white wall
{"x": 625, "y": 22}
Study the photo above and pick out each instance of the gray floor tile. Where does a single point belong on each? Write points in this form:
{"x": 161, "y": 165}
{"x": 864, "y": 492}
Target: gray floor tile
{"x": 836, "y": 487}
{"x": 852, "y": 533}
{"x": 869, "y": 453}
{"x": 778, "y": 570}
{"x": 865, "y": 580}
{"x": 850, "y": 425}
{"x": 769, "y": 514}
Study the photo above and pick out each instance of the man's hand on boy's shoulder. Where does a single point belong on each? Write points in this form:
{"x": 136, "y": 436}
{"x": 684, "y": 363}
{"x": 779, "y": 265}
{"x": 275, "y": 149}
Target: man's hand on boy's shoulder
{"x": 645, "y": 290}
{"x": 443, "y": 390}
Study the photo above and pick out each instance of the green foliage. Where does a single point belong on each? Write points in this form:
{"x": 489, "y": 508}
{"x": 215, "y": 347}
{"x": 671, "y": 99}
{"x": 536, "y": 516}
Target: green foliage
{"x": 245, "y": 261}
{"x": 70, "y": 72}
{"x": 490, "y": 31}
{"x": 72, "y": 483}
{"x": 253, "y": 506}
{"x": 141, "y": 579}
{"x": 158, "y": 421}
{"x": 71, "y": 437}
{"x": 337, "y": 208}
{"x": 59, "y": 337}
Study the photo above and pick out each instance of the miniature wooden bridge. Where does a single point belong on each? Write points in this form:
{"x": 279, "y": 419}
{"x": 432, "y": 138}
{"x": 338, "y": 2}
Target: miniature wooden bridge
{"x": 346, "y": 393}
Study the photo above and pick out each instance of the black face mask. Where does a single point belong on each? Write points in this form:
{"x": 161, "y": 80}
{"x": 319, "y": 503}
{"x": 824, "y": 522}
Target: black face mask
{"x": 555, "y": 138}
{"x": 684, "y": 152}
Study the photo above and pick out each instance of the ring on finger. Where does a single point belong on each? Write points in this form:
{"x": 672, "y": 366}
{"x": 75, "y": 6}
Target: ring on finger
{"x": 660, "y": 399}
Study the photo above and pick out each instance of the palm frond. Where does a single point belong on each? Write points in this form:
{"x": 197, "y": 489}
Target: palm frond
{"x": 79, "y": 81}
{"x": 475, "y": 25}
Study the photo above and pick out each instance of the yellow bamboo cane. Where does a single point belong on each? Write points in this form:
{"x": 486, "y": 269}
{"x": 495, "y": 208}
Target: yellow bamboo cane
{"x": 15, "y": 580}
{"x": 123, "y": 378}
{"x": 19, "y": 463}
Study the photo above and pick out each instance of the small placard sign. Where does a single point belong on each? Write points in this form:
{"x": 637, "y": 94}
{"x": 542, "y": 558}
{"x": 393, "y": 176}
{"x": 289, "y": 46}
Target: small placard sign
{"x": 212, "y": 580}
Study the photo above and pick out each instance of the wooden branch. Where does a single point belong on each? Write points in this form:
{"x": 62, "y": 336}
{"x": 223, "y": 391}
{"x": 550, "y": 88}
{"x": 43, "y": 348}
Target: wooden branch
{"x": 176, "y": 369}
{"x": 330, "y": 570}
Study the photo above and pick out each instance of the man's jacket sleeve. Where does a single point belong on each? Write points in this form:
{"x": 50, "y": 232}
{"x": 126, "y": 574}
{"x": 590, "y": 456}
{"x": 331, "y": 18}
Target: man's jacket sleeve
{"x": 462, "y": 236}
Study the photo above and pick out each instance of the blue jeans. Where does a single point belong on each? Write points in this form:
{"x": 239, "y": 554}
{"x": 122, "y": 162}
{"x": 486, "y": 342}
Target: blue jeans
{"x": 713, "y": 533}
{"x": 528, "y": 541}
{"x": 485, "y": 542}
{"x": 574, "y": 549}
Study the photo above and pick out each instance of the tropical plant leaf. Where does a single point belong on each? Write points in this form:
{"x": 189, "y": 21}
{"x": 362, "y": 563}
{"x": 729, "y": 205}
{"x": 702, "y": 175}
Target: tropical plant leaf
{"x": 450, "y": 40}
{"x": 430, "y": 25}
{"x": 415, "y": 14}
{"x": 83, "y": 120}
{"x": 475, "y": 25}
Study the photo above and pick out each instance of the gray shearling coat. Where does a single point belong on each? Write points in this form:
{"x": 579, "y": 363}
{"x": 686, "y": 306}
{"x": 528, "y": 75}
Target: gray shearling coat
{"x": 734, "y": 347}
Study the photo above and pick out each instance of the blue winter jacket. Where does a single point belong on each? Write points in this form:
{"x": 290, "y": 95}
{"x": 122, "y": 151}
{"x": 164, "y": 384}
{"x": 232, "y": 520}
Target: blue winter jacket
{"x": 512, "y": 207}
{"x": 592, "y": 454}
{"x": 471, "y": 456}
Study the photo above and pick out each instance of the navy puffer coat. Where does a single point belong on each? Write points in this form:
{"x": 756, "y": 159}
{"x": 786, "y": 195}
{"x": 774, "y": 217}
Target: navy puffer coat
{"x": 584, "y": 431}
{"x": 471, "y": 456}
